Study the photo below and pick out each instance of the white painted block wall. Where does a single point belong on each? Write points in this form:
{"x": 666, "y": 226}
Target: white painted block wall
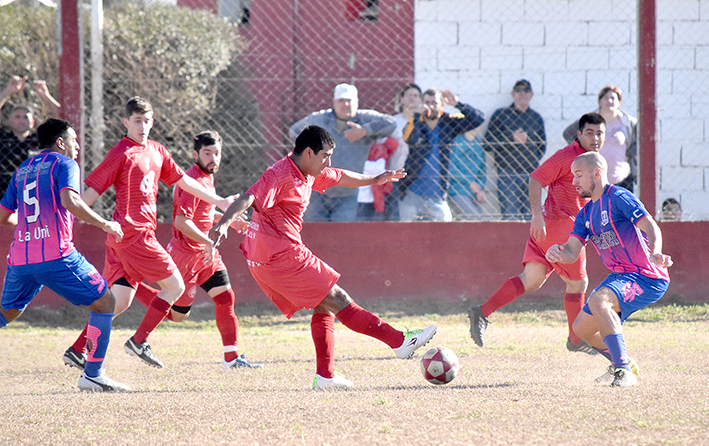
{"x": 569, "y": 50}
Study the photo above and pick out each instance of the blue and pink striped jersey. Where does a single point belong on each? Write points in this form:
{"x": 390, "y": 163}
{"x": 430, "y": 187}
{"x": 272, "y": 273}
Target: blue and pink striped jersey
{"x": 45, "y": 228}
{"x": 609, "y": 223}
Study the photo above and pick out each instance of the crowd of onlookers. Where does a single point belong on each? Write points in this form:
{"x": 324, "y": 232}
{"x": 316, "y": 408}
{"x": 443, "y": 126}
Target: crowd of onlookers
{"x": 459, "y": 166}
{"x": 449, "y": 158}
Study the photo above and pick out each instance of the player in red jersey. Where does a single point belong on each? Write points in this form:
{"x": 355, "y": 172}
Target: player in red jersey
{"x": 288, "y": 272}
{"x": 199, "y": 262}
{"x": 133, "y": 167}
{"x": 550, "y": 225}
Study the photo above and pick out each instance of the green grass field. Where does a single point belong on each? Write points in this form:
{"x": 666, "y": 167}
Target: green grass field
{"x": 523, "y": 387}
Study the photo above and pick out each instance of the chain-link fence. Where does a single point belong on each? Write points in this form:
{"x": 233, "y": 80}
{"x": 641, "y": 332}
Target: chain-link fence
{"x": 250, "y": 69}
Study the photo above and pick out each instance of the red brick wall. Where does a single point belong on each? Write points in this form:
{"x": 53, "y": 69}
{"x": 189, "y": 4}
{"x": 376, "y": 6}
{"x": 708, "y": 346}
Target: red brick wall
{"x": 446, "y": 261}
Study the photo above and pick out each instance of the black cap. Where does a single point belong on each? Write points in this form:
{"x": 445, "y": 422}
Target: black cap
{"x": 523, "y": 83}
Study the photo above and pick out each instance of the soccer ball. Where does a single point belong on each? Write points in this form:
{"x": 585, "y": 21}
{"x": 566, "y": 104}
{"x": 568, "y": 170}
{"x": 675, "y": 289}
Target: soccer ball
{"x": 439, "y": 365}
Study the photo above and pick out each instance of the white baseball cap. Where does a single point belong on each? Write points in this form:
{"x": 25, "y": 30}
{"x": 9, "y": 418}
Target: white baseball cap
{"x": 346, "y": 91}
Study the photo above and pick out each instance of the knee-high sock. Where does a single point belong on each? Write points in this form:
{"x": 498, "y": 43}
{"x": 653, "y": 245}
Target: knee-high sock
{"x": 80, "y": 343}
{"x": 605, "y": 353}
{"x": 322, "y": 329}
{"x": 157, "y": 311}
{"x": 510, "y": 290}
{"x": 3, "y": 321}
{"x": 573, "y": 304}
{"x": 98, "y": 333}
{"x": 227, "y": 323}
{"x": 145, "y": 294}
{"x": 616, "y": 346}
{"x": 362, "y": 321}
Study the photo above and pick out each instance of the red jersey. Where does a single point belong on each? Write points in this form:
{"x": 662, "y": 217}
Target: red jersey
{"x": 562, "y": 201}
{"x": 134, "y": 172}
{"x": 193, "y": 208}
{"x": 281, "y": 196}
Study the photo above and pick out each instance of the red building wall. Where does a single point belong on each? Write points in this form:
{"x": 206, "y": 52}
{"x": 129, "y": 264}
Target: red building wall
{"x": 299, "y": 50}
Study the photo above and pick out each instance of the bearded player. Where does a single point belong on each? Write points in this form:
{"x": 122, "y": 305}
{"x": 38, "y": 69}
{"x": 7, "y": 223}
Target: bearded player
{"x": 134, "y": 167}
{"x": 196, "y": 257}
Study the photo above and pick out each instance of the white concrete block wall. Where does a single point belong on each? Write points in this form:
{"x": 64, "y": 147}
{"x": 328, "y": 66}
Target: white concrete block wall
{"x": 680, "y": 179}
{"x": 695, "y": 205}
{"x": 482, "y": 34}
{"x": 671, "y": 153}
{"x": 570, "y": 49}
{"x": 693, "y": 155}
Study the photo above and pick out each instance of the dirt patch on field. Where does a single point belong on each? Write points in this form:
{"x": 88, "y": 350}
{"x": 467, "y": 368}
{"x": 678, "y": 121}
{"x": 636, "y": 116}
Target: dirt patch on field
{"x": 522, "y": 388}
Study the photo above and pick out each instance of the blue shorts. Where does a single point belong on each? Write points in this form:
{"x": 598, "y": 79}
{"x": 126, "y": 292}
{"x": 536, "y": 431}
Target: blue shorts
{"x": 71, "y": 277}
{"x": 634, "y": 292}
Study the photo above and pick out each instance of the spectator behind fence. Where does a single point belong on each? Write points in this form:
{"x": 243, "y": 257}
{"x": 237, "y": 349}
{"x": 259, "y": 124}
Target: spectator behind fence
{"x": 21, "y": 142}
{"x": 621, "y": 147}
{"x": 432, "y": 133}
{"x": 354, "y": 131}
{"x": 467, "y": 176}
{"x": 410, "y": 100}
{"x": 517, "y": 141}
{"x": 371, "y": 198}
{"x": 671, "y": 210}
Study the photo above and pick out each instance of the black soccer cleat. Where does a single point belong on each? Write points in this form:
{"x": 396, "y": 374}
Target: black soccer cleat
{"x": 478, "y": 324}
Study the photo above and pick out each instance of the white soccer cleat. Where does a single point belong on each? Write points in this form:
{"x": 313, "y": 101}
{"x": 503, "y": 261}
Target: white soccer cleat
{"x": 609, "y": 376}
{"x": 624, "y": 378}
{"x": 336, "y": 382}
{"x": 240, "y": 362}
{"x": 100, "y": 384}
{"x": 413, "y": 340}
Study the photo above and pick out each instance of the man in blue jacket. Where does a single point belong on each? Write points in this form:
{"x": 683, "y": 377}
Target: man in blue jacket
{"x": 430, "y": 135}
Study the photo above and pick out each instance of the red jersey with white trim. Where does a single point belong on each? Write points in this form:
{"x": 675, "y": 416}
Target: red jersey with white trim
{"x": 193, "y": 208}
{"x": 134, "y": 171}
{"x": 563, "y": 201}
{"x": 281, "y": 196}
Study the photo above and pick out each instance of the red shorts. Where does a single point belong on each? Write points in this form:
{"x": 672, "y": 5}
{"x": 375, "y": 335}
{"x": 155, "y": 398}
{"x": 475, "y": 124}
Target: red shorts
{"x": 144, "y": 259}
{"x": 295, "y": 279}
{"x": 194, "y": 270}
{"x": 558, "y": 232}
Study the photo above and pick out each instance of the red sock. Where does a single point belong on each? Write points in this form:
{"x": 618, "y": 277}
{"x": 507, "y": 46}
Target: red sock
{"x": 322, "y": 329}
{"x": 227, "y": 323}
{"x": 362, "y": 321}
{"x": 573, "y": 304}
{"x": 509, "y": 291}
{"x": 157, "y": 311}
{"x": 80, "y": 343}
{"x": 145, "y": 294}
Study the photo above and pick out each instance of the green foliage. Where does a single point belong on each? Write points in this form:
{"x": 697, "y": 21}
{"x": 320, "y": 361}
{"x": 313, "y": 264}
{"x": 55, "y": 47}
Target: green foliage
{"x": 184, "y": 61}
{"x": 28, "y": 47}
{"x": 170, "y": 56}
